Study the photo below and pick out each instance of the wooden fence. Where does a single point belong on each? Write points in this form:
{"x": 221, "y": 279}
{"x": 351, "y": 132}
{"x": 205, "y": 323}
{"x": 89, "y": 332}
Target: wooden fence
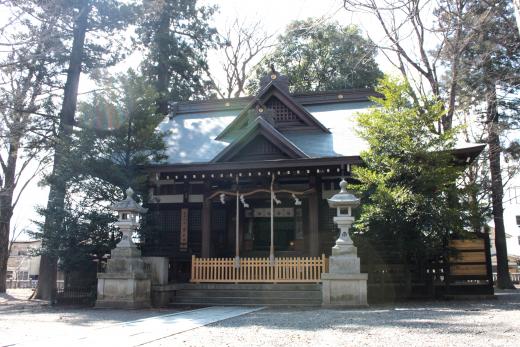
{"x": 283, "y": 270}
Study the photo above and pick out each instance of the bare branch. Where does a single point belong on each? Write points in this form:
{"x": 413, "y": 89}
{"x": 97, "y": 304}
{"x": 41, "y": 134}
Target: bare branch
{"x": 243, "y": 44}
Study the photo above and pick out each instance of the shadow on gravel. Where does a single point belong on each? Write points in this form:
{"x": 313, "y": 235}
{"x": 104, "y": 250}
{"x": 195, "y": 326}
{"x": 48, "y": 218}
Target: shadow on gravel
{"x": 413, "y": 315}
{"x": 4, "y": 297}
{"x": 80, "y": 316}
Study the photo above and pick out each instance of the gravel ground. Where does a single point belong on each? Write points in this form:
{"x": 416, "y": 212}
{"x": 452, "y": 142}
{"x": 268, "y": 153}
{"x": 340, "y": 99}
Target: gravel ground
{"x": 22, "y": 320}
{"x": 436, "y": 323}
{"x": 440, "y": 323}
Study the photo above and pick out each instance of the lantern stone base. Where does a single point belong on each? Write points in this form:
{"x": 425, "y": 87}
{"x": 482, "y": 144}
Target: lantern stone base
{"x": 344, "y": 290}
{"x": 123, "y": 290}
{"x": 126, "y": 283}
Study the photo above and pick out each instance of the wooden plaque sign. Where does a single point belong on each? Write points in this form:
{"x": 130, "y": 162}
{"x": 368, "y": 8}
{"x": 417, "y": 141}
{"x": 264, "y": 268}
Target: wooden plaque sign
{"x": 183, "y": 244}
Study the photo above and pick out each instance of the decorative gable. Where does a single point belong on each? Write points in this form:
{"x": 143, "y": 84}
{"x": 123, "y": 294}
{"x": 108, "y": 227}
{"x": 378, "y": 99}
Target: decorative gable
{"x": 282, "y": 115}
{"x": 278, "y": 108}
{"x": 259, "y": 148}
{"x": 260, "y": 141}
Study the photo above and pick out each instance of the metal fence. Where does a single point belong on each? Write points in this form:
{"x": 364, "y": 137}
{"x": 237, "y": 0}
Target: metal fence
{"x": 13, "y": 284}
{"x": 515, "y": 277}
{"x": 77, "y": 295}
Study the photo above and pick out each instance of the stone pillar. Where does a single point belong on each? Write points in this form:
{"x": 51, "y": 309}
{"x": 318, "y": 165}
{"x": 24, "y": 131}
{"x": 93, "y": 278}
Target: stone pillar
{"x": 344, "y": 285}
{"x": 126, "y": 282}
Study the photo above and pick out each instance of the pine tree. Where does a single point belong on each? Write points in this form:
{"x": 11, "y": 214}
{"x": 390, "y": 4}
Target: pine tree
{"x": 100, "y": 19}
{"x": 176, "y": 36}
{"x": 489, "y": 85}
{"x": 115, "y": 140}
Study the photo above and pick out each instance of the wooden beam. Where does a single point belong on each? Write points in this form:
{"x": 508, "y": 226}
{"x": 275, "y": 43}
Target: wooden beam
{"x": 245, "y": 194}
{"x": 252, "y": 165}
{"x": 314, "y": 241}
{"x": 206, "y": 228}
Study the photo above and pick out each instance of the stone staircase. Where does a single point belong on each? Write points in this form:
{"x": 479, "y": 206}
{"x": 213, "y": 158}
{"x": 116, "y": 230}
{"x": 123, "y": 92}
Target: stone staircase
{"x": 265, "y": 294}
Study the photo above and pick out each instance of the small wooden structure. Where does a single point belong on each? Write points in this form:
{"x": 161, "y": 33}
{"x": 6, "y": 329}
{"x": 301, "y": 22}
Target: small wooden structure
{"x": 469, "y": 267}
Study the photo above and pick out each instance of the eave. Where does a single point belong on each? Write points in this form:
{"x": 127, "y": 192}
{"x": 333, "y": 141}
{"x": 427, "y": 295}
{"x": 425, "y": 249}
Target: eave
{"x": 256, "y": 165}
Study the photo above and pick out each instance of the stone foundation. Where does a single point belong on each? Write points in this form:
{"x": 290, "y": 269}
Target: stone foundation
{"x": 123, "y": 290}
{"x": 344, "y": 290}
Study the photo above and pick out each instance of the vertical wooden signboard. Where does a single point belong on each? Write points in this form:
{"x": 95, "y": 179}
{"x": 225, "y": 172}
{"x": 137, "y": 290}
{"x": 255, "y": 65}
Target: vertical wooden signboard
{"x": 183, "y": 245}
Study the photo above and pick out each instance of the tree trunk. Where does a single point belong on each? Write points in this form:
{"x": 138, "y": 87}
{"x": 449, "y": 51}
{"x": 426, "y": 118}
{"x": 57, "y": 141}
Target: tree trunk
{"x": 16, "y": 131}
{"x": 497, "y": 190}
{"x": 163, "y": 77}
{"x": 6, "y": 207}
{"x": 56, "y": 202}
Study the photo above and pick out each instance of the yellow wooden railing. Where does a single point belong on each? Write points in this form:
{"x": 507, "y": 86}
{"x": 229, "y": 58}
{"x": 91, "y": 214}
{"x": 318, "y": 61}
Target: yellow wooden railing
{"x": 284, "y": 269}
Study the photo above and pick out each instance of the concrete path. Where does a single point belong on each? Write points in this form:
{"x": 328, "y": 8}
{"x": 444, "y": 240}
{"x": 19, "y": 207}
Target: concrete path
{"x": 144, "y": 331}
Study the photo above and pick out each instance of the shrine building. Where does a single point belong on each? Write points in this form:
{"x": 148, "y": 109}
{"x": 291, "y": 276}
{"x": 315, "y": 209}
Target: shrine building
{"x": 245, "y": 183}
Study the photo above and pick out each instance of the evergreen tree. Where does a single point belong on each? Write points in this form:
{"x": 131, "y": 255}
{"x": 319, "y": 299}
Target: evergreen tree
{"x": 318, "y": 57}
{"x": 92, "y": 44}
{"x": 408, "y": 177}
{"x": 116, "y": 140}
{"x": 489, "y": 85}
{"x": 176, "y": 35}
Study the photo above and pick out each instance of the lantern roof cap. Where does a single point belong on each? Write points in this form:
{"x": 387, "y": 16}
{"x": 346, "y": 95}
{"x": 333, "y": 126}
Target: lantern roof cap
{"x": 128, "y": 204}
{"x": 343, "y": 198}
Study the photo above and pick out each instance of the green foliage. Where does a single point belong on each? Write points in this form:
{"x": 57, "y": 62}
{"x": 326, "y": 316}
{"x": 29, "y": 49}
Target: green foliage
{"x": 318, "y": 57}
{"x": 116, "y": 140}
{"x": 176, "y": 35}
{"x": 408, "y": 182}
{"x": 83, "y": 236}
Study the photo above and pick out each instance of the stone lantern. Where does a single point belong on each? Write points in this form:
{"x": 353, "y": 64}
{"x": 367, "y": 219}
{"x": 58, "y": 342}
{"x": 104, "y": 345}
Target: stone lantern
{"x": 129, "y": 212}
{"x": 344, "y": 285}
{"x": 126, "y": 283}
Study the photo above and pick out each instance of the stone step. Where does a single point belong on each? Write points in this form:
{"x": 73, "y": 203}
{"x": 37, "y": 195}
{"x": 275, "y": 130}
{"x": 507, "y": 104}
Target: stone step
{"x": 275, "y": 294}
{"x": 249, "y": 286}
{"x": 287, "y": 294}
{"x": 180, "y": 300}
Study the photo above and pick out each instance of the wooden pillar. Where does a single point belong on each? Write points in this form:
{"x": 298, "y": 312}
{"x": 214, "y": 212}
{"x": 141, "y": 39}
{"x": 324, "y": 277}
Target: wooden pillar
{"x": 314, "y": 241}
{"x": 206, "y": 228}
{"x": 271, "y": 246}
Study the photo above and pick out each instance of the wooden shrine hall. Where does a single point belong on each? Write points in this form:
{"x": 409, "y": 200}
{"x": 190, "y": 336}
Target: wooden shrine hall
{"x": 242, "y": 196}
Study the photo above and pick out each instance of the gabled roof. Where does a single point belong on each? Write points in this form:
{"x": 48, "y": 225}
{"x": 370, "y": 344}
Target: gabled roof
{"x": 260, "y": 128}
{"x": 190, "y": 136}
{"x": 272, "y": 90}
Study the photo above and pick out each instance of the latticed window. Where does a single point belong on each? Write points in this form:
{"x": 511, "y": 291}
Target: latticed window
{"x": 281, "y": 113}
{"x": 326, "y": 216}
{"x": 170, "y": 221}
{"x": 195, "y": 219}
{"x": 218, "y": 219}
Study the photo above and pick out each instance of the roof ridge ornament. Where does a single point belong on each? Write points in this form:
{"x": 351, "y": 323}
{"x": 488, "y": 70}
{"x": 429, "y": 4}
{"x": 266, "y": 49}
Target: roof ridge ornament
{"x": 274, "y": 77}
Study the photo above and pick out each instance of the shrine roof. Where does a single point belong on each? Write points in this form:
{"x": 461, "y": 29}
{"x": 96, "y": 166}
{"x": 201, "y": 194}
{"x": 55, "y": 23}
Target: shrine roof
{"x": 194, "y": 131}
{"x": 191, "y": 137}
